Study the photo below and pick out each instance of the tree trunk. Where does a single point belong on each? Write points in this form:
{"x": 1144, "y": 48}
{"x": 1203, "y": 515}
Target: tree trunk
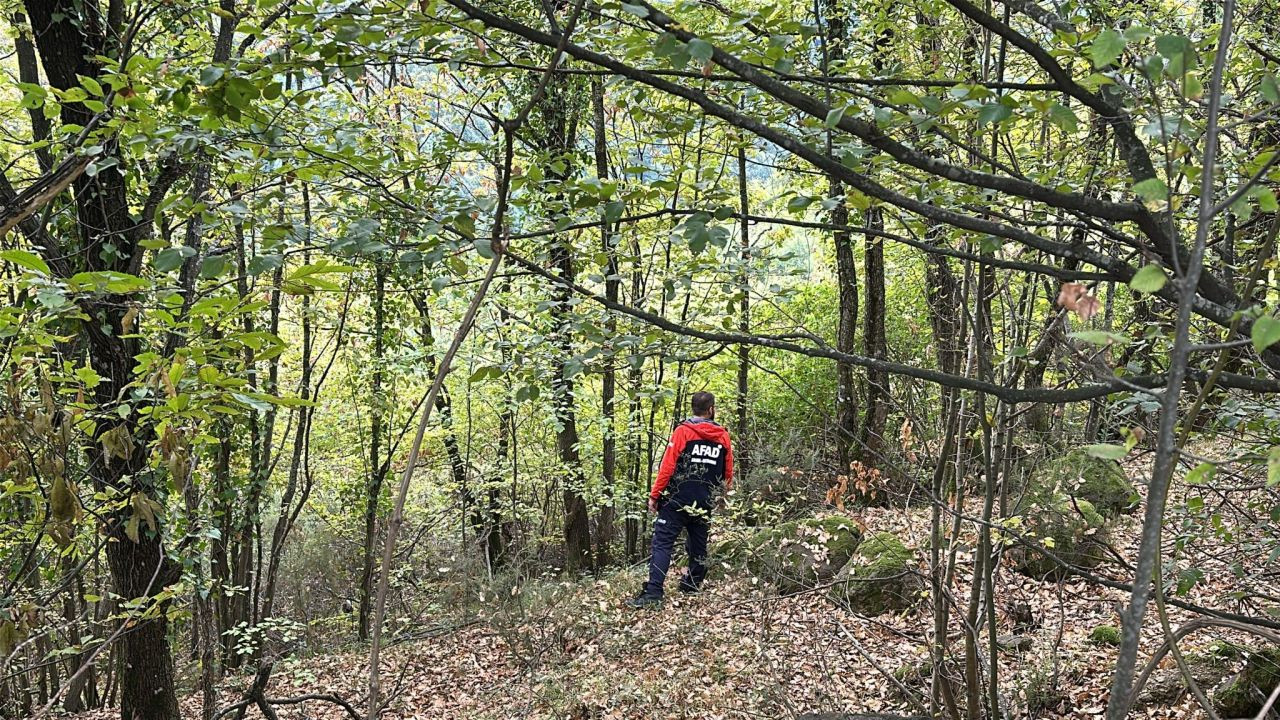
{"x": 876, "y": 415}
{"x": 558, "y": 111}
{"x": 742, "y": 445}
{"x": 140, "y": 569}
{"x": 69, "y": 35}
{"x": 608, "y": 454}
{"x": 377, "y": 465}
{"x": 846, "y": 267}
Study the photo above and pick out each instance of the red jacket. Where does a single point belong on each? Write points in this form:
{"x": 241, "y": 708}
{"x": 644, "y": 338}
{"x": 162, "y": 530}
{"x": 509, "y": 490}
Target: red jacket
{"x": 699, "y": 458}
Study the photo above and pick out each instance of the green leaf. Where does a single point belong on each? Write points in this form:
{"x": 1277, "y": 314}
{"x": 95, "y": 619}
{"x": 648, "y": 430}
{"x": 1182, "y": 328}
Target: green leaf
{"x": 698, "y": 238}
{"x": 1152, "y": 188}
{"x": 88, "y": 376}
{"x": 902, "y": 96}
{"x": 1188, "y": 579}
{"x": 834, "y": 116}
{"x": 485, "y": 373}
{"x": 33, "y": 96}
{"x": 1106, "y": 48}
{"x": 1149, "y": 279}
{"x": 1154, "y": 193}
{"x": 799, "y": 203}
{"x": 639, "y": 11}
{"x": 107, "y": 281}
{"x": 1192, "y": 88}
{"x": 1136, "y": 33}
{"x": 211, "y": 75}
{"x": 1064, "y": 117}
{"x": 1267, "y": 200}
{"x": 1180, "y": 53}
{"x": 700, "y": 50}
{"x": 1270, "y": 89}
{"x": 91, "y": 85}
{"x": 1266, "y": 332}
{"x": 251, "y": 401}
{"x": 1202, "y": 474}
{"x": 1273, "y": 467}
{"x": 613, "y": 210}
{"x": 993, "y": 113}
{"x": 1105, "y": 451}
{"x": 265, "y": 263}
{"x": 1099, "y": 337}
{"x": 28, "y": 260}
{"x": 171, "y": 259}
{"x": 213, "y": 266}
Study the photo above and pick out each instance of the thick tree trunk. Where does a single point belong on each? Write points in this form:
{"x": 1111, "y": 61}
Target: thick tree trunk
{"x": 69, "y": 36}
{"x": 140, "y": 570}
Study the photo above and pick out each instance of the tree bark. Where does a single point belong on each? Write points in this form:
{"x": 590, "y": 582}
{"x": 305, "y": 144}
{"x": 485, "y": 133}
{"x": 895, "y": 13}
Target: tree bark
{"x": 69, "y": 35}
{"x": 875, "y": 344}
{"x": 377, "y": 465}
{"x": 557, "y": 112}
{"x": 742, "y": 444}
{"x": 608, "y": 453}
{"x": 846, "y": 266}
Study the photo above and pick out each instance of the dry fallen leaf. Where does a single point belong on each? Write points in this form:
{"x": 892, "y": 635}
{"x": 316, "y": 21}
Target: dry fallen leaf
{"x": 1076, "y": 298}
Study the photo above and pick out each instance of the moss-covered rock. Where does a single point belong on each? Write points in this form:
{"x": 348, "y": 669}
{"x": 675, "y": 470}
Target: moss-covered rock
{"x": 1068, "y": 528}
{"x": 1166, "y": 686}
{"x": 1244, "y": 694}
{"x": 803, "y": 553}
{"x": 1084, "y": 477}
{"x": 1105, "y": 635}
{"x": 880, "y": 577}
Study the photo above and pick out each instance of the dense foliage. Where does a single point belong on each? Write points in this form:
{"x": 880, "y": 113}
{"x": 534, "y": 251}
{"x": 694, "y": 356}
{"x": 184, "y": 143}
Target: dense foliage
{"x": 917, "y": 249}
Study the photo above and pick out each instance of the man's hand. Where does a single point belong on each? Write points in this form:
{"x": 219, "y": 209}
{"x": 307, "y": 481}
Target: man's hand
{"x": 653, "y": 505}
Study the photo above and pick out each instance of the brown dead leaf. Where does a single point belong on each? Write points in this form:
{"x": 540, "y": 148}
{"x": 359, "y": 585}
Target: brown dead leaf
{"x": 1076, "y": 298}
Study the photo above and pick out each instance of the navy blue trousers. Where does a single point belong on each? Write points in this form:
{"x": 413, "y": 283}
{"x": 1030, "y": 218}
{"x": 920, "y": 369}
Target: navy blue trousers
{"x": 666, "y": 530}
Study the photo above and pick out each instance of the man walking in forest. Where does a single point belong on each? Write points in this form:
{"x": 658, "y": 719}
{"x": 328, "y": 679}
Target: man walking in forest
{"x": 696, "y": 469}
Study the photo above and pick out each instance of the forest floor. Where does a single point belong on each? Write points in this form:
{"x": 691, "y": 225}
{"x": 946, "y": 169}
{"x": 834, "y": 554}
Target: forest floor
{"x": 737, "y": 650}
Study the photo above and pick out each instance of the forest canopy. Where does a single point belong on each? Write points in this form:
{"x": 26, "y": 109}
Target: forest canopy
{"x": 353, "y": 327}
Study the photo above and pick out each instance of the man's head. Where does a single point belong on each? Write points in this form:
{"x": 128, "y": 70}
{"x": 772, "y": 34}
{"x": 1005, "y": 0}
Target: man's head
{"x": 704, "y": 404}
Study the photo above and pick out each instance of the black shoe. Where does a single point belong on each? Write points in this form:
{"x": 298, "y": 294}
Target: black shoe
{"x": 644, "y": 602}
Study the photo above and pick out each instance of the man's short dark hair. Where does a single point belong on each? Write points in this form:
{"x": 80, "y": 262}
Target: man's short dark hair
{"x": 702, "y": 402}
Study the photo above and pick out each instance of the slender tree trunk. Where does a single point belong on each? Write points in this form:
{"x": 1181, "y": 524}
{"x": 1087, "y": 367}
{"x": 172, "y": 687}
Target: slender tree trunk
{"x": 612, "y": 283}
{"x": 875, "y": 344}
{"x": 1166, "y": 456}
{"x": 742, "y": 445}
{"x": 377, "y": 465}
{"x": 874, "y": 341}
{"x": 833, "y": 52}
{"x": 285, "y": 517}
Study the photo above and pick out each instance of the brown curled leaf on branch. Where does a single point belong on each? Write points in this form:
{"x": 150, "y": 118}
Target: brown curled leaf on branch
{"x": 1076, "y": 298}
